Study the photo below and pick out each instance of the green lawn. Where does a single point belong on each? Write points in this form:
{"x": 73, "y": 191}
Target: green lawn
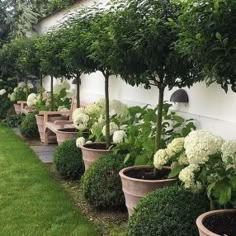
{"x": 31, "y": 202}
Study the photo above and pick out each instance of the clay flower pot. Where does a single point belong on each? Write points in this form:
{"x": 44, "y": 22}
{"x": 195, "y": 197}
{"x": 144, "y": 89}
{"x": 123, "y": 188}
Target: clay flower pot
{"x": 217, "y": 223}
{"x": 93, "y": 151}
{"x": 66, "y": 134}
{"x": 40, "y": 122}
{"x": 135, "y": 188}
{"x": 17, "y": 108}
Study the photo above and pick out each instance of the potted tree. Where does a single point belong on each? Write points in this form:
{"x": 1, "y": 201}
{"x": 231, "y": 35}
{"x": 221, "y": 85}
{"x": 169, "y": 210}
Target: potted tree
{"x": 210, "y": 45}
{"x": 97, "y": 46}
{"x": 51, "y": 64}
{"x": 145, "y": 36}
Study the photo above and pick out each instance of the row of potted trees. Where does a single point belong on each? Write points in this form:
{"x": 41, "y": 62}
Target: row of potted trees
{"x": 153, "y": 43}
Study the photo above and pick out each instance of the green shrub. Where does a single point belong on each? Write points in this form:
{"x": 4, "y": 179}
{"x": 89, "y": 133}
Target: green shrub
{"x": 168, "y": 211}
{"x": 14, "y": 121}
{"x": 28, "y": 127}
{"x": 68, "y": 160}
{"x": 101, "y": 184}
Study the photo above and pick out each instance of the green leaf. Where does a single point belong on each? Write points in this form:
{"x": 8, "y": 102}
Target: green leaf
{"x": 175, "y": 171}
{"x": 218, "y": 36}
{"x": 141, "y": 160}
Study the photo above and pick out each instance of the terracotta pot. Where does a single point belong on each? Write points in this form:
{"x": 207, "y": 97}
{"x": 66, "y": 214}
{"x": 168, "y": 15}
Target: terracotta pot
{"x": 93, "y": 151}
{"x": 135, "y": 189}
{"x": 66, "y": 134}
{"x": 17, "y": 108}
{"x": 204, "y": 231}
{"x": 40, "y": 122}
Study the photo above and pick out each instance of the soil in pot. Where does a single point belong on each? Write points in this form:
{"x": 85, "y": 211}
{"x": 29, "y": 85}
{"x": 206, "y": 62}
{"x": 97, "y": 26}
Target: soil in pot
{"x": 148, "y": 174}
{"x": 69, "y": 130}
{"x": 222, "y": 224}
{"x": 97, "y": 146}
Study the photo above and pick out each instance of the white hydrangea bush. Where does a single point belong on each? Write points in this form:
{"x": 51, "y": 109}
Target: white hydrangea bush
{"x": 92, "y": 118}
{"x": 20, "y": 92}
{"x": 174, "y": 153}
{"x": 200, "y": 144}
{"x": 228, "y": 150}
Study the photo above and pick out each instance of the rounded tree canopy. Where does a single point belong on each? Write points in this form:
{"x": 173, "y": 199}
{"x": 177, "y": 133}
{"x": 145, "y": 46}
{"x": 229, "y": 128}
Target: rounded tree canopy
{"x": 145, "y": 34}
{"x": 208, "y": 37}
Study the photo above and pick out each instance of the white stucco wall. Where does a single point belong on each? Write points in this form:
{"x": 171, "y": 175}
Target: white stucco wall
{"x": 212, "y": 108}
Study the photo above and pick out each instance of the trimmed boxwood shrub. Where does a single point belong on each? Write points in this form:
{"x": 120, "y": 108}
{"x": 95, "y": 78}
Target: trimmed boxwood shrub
{"x": 14, "y": 120}
{"x": 68, "y": 160}
{"x": 28, "y": 127}
{"x": 168, "y": 211}
{"x": 101, "y": 184}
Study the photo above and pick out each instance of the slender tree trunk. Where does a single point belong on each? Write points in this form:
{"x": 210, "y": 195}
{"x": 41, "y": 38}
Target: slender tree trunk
{"x": 108, "y": 141}
{"x": 52, "y": 97}
{"x": 78, "y": 89}
{"x": 41, "y": 87}
{"x": 159, "y": 118}
{"x": 26, "y": 93}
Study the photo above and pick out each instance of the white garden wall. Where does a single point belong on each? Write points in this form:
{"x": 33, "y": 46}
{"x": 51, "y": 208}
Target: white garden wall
{"x": 212, "y": 108}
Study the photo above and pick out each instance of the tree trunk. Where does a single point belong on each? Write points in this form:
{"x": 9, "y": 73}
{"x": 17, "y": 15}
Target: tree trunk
{"x": 108, "y": 141}
{"x": 159, "y": 118}
{"x": 52, "y": 97}
{"x": 41, "y": 87}
{"x": 78, "y": 90}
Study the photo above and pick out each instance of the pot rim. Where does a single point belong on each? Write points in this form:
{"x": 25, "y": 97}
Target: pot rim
{"x": 66, "y": 132}
{"x": 123, "y": 176}
{"x": 83, "y": 147}
{"x": 207, "y": 214}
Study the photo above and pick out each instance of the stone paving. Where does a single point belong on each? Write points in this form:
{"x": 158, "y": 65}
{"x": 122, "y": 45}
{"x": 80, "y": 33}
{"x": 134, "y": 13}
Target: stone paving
{"x": 45, "y": 153}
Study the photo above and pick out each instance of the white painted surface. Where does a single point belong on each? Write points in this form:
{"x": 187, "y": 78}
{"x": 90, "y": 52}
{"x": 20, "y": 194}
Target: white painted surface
{"x": 211, "y": 107}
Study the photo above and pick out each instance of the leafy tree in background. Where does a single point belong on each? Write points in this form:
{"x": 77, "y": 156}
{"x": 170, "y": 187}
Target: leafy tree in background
{"x": 101, "y": 51}
{"x": 49, "y": 48}
{"x": 208, "y": 38}
{"x": 75, "y": 50}
{"x": 145, "y": 37}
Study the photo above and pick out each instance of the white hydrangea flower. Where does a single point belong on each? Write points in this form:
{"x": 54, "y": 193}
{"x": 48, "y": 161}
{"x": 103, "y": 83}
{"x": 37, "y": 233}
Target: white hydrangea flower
{"x": 200, "y": 144}
{"x": 113, "y": 128}
{"x": 80, "y": 119}
{"x": 80, "y": 141}
{"x": 30, "y": 85}
{"x": 2, "y": 92}
{"x": 65, "y": 85}
{"x": 118, "y": 108}
{"x": 31, "y": 100}
{"x": 228, "y": 150}
{"x": 119, "y": 136}
{"x": 21, "y": 85}
{"x": 161, "y": 158}
{"x": 89, "y": 142}
{"x": 92, "y": 109}
{"x": 77, "y": 112}
{"x": 183, "y": 160}
{"x": 187, "y": 175}
{"x": 12, "y": 97}
{"x": 176, "y": 146}
{"x": 15, "y": 89}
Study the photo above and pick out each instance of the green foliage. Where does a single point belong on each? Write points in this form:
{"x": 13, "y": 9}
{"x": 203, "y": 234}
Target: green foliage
{"x": 5, "y": 105}
{"x": 168, "y": 211}
{"x": 29, "y": 128}
{"x": 57, "y": 5}
{"x": 219, "y": 181}
{"x": 101, "y": 184}
{"x": 208, "y": 38}
{"x": 141, "y": 125}
{"x": 68, "y": 160}
{"x": 14, "y": 121}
